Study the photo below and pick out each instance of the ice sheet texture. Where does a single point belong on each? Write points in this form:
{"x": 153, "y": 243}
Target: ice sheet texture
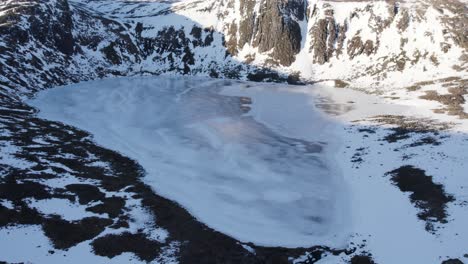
{"x": 237, "y": 174}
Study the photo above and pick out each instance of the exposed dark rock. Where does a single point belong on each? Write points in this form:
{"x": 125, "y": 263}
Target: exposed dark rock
{"x": 295, "y": 79}
{"x": 456, "y": 24}
{"x": 16, "y": 191}
{"x": 263, "y": 76}
{"x": 327, "y": 38}
{"x": 452, "y": 261}
{"x": 139, "y": 29}
{"x": 112, "y": 206}
{"x": 114, "y": 245}
{"x": 272, "y": 29}
{"x": 65, "y": 234}
{"x": 86, "y": 193}
{"x": 247, "y": 24}
{"x": 404, "y": 127}
{"x": 111, "y": 54}
{"x": 196, "y": 33}
{"x": 21, "y": 214}
{"x": 357, "y": 47}
{"x": 277, "y": 32}
{"x": 231, "y": 44}
{"x": 361, "y": 259}
{"x": 404, "y": 21}
{"x": 57, "y": 33}
{"x": 209, "y": 37}
{"x": 453, "y": 101}
{"x": 341, "y": 84}
{"x": 426, "y": 195}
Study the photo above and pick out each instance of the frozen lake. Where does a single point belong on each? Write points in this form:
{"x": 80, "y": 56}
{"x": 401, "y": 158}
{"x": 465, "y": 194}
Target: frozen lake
{"x": 254, "y": 161}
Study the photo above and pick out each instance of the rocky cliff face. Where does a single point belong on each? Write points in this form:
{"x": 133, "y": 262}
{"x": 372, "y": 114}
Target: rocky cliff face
{"x": 47, "y": 43}
{"x": 368, "y": 44}
{"x": 270, "y": 26}
{"x": 380, "y": 41}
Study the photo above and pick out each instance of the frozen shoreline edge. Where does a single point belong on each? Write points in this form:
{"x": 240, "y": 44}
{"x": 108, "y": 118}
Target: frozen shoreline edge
{"x": 331, "y": 241}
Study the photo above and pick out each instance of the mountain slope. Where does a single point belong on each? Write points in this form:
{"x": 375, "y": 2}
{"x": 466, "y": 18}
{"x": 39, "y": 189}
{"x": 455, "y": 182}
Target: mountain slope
{"x": 371, "y": 45}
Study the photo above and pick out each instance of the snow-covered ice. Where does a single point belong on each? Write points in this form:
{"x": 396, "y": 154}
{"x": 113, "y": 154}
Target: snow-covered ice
{"x": 282, "y": 173}
{"x": 265, "y": 177}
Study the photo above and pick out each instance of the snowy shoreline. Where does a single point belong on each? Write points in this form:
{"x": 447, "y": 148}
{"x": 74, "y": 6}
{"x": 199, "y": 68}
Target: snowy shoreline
{"x": 381, "y": 218}
{"x": 258, "y": 185}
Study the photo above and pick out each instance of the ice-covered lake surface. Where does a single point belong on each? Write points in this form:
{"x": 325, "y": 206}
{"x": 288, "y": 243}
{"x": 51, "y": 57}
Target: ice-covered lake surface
{"x": 254, "y": 161}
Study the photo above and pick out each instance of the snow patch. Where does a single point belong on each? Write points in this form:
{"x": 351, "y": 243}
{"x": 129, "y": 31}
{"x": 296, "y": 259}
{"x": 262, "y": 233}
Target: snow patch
{"x": 7, "y": 157}
{"x": 67, "y": 210}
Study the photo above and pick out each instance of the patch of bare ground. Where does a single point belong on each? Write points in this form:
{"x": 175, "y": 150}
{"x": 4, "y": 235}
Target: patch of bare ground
{"x": 452, "y": 101}
{"x": 429, "y": 197}
{"x": 362, "y": 259}
{"x": 341, "y": 84}
{"x": 115, "y": 244}
{"x": 403, "y": 127}
{"x": 65, "y": 234}
{"x": 452, "y": 261}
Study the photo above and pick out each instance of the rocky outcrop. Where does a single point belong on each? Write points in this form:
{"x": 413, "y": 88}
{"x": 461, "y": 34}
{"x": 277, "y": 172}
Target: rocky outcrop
{"x": 357, "y": 47}
{"x": 374, "y": 40}
{"x": 247, "y": 23}
{"x": 46, "y": 43}
{"x": 330, "y": 37}
{"x": 22, "y": 25}
{"x": 273, "y": 28}
{"x": 327, "y": 38}
{"x": 278, "y": 31}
